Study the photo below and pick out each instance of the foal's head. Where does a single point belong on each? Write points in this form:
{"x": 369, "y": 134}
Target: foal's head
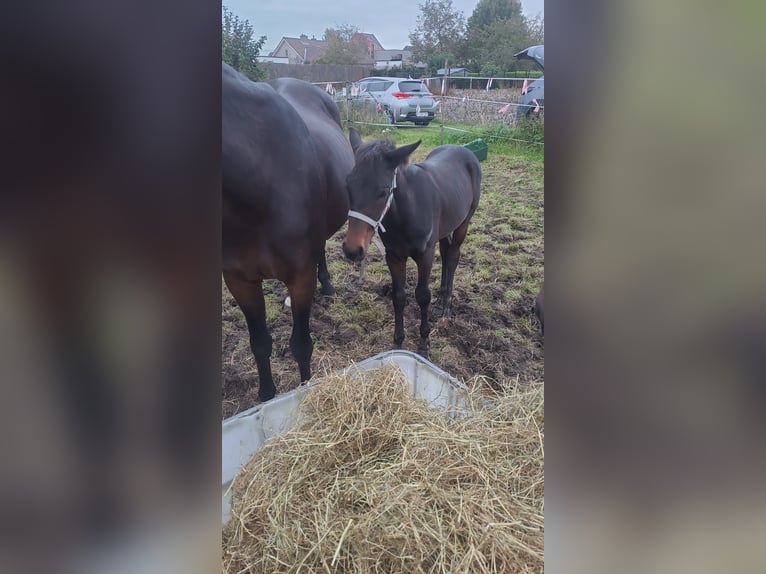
{"x": 370, "y": 188}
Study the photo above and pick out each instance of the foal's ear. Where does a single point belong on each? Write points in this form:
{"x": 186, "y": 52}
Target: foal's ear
{"x": 400, "y": 154}
{"x": 355, "y": 138}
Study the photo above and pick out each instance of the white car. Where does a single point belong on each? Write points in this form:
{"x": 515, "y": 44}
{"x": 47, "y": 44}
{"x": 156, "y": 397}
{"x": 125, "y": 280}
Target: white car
{"x": 400, "y": 99}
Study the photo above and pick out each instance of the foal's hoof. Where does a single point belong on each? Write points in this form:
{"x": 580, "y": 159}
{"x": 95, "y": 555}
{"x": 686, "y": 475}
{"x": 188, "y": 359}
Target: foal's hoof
{"x": 327, "y": 290}
{"x": 424, "y": 349}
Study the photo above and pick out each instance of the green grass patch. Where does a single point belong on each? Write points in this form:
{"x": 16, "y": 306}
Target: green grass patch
{"x": 526, "y": 140}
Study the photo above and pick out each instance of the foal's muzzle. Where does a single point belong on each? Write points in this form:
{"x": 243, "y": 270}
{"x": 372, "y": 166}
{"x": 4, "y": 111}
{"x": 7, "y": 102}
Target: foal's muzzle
{"x": 357, "y": 240}
{"x": 353, "y": 253}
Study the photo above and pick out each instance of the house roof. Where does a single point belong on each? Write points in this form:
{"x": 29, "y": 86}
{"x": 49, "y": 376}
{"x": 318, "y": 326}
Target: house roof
{"x": 315, "y": 49}
{"x": 365, "y": 37}
{"x": 310, "y": 47}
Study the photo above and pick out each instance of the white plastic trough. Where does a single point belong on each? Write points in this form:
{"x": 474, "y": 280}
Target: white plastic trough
{"x": 245, "y": 432}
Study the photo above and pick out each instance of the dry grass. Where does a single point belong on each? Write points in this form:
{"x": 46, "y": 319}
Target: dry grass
{"x": 374, "y": 480}
{"x": 480, "y": 107}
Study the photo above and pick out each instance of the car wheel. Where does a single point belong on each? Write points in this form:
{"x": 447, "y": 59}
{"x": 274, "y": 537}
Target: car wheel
{"x": 422, "y": 123}
{"x": 390, "y": 119}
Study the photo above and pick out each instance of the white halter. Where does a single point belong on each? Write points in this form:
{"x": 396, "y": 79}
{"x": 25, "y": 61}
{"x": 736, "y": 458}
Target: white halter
{"x": 369, "y": 220}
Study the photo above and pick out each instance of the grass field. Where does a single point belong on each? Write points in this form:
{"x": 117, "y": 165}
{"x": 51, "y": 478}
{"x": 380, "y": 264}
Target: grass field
{"x": 492, "y": 336}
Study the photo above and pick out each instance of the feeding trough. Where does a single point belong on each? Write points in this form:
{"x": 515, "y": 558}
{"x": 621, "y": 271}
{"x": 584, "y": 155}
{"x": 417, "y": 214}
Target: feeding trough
{"x": 478, "y": 147}
{"x": 389, "y": 465}
{"x": 246, "y": 432}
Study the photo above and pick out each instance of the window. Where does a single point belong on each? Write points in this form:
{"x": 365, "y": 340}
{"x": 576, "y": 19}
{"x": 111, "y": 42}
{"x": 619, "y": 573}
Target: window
{"x": 376, "y": 86}
{"x": 411, "y": 87}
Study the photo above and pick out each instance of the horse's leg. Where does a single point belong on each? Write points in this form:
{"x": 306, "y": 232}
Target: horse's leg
{"x": 249, "y": 297}
{"x": 302, "y": 289}
{"x": 444, "y": 246}
{"x": 449, "y": 263}
{"x": 398, "y": 268}
{"x": 423, "y": 297}
{"x": 324, "y": 276}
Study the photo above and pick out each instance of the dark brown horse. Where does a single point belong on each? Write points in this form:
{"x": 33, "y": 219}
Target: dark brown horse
{"x": 284, "y": 160}
{"x": 414, "y": 207}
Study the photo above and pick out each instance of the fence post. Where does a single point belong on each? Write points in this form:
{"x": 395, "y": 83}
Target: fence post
{"x": 441, "y": 130}
{"x": 347, "y": 87}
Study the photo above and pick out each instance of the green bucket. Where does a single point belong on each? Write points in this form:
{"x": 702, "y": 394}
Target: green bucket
{"x": 479, "y": 148}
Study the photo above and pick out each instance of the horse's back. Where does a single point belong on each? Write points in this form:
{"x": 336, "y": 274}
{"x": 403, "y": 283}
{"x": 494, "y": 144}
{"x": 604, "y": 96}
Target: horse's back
{"x": 322, "y": 118}
{"x": 263, "y": 137}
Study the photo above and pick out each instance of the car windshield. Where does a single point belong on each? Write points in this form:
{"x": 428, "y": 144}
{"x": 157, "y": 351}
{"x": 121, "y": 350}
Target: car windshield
{"x": 413, "y": 86}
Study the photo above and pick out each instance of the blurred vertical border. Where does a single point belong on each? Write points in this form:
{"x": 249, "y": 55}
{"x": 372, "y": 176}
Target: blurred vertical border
{"x": 110, "y": 286}
{"x": 656, "y": 316}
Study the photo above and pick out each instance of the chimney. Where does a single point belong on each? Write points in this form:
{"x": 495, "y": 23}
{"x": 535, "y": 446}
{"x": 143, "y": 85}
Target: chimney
{"x": 304, "y": 37}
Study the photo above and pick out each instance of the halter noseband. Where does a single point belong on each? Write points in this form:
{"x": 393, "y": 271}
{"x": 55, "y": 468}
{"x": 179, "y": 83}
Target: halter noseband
{"x": 369, "y": 220}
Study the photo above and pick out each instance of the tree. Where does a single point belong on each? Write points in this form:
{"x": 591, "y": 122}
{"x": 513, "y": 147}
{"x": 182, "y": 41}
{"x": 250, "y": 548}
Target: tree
{"x": 342, "y": 46}
{"x": 438, "y": 60}
{"x": 239, "y": 49}
{"x": 440, "y": 30}
{"x": 536, "y": 27}
{"x": 489, "y": 11}
{"x": 496, "y": 31}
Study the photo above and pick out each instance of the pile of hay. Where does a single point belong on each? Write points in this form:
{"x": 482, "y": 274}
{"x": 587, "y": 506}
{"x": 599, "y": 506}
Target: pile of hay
{"x": 374, "y": 480}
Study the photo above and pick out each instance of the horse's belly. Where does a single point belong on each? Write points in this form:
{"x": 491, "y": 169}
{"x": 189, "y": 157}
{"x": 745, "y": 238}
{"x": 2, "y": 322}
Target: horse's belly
{"x": 452, "y": 220}
{"x": 259, "y": 260}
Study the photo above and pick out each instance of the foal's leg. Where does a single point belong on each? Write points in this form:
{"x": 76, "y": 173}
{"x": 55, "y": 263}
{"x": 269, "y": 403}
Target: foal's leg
{"x": 324, "y": 276}
{"x": 423, "y": 297}
{"x": 249, "y": 296}
{"x": 398, "y": 268}
{"x": 449, "y": 264}
{"x": 301, "y": 290}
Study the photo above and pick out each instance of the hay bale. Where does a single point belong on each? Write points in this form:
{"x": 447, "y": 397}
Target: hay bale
{"x": 374, "y": 480}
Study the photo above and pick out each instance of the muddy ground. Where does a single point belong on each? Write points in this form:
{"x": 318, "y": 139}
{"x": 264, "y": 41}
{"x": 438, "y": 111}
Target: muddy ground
{"x": 492, "y": 336}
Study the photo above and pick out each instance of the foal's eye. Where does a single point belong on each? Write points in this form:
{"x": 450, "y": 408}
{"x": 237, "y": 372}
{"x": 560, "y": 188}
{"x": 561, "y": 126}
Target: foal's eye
{"x": 383, "y": 191}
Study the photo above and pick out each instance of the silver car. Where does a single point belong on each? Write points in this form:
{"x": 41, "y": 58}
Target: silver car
{"x": 400, "y": 99}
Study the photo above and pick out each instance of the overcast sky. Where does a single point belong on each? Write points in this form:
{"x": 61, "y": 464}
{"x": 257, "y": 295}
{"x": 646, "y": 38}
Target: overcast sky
{"x": 390, "y": 20}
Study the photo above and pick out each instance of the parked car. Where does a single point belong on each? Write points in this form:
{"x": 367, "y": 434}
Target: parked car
{"x": 400, "y": 99}
{"x": 533, "y": 99}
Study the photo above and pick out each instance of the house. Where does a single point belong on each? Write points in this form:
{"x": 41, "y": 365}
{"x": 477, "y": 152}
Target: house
{"x": 304, "y": 49}
{"x": 385, "y": 59}
{"x": 454, "y": 72}
{"x": 299, "y": 50}
{"x": 371, "y": 44}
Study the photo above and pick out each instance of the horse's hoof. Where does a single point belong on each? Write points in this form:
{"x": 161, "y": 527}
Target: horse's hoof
{"x": 329, "y": 290}
{"x": 266, "y": 394}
